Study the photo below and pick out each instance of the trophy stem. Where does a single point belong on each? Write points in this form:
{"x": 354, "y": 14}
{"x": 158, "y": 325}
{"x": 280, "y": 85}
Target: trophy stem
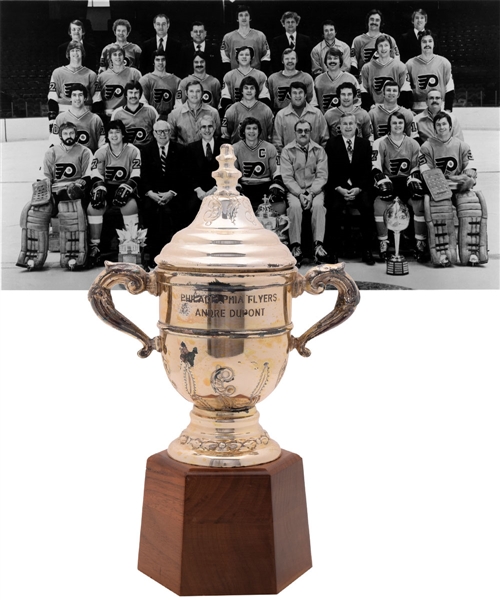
{"x": 224, "y": 439}
{"x": 397, "y": 235}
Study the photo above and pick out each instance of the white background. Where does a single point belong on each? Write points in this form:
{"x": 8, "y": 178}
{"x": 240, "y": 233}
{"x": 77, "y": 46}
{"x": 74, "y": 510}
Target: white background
{"x": 395, "y": 414}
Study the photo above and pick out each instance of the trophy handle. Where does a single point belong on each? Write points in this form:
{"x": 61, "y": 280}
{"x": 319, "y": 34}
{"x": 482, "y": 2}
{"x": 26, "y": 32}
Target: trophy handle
{"x": 315, "y": 282}
{"x": 136, "y": 281}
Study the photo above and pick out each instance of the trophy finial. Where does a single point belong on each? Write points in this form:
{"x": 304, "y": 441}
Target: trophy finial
{"x": 227, "y": 175}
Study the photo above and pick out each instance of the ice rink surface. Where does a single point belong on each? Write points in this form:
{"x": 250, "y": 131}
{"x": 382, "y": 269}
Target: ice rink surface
{"x": 21, "y": 159}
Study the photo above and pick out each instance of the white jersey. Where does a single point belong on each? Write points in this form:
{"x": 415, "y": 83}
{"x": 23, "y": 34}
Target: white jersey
{"x": 160, "y": 91}
{"x": 326, "y": 89}
{"x": 363, "y": 49}
{"x": 374, "y": 74}
{"x": 254, "y": 39}
{"x": 115, "y": 169}
{"x": 110, "y": 87}
{"x": 379, "y": 116}
{"x": 452, "y": 156}
{"x": 429, "y": 74}
{"x": 89, "y": 129}
{"x": 138, "y": 124}
{"x": 395, "y": 160}
{"x": 61, "y": 83}
{"x": 238, "y": 111}
{"x": 211, "y": 90}
{"x": 63, "y": 165}
{"x": 257, "y": 165}
{"x": 279, "y": 88}
{"x": 232, "y": 82}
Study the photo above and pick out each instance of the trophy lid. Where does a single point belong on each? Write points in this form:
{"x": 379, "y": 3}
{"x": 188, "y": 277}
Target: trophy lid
{"x": 225, "y": 233}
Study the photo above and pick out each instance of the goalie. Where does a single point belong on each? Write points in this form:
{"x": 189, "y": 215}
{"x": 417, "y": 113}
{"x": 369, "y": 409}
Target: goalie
{"x": 66, "y": 167}
{"x": 453, "y": 157}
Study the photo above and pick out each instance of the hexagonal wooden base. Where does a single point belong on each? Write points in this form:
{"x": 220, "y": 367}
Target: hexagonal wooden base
{"x": 220, "y": 531}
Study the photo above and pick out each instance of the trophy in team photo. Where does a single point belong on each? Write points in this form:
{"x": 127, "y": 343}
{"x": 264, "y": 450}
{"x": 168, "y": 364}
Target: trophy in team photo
{"x": 397, "y": 219}
{"x": 224, "y": 506}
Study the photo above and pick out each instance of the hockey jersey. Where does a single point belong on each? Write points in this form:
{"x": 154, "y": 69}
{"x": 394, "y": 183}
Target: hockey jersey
{"x": 428, "y": 74}
{"x": 90, "y": 129}
{"x": 452, "y": 156}
{"x": 211, "y": 90}
{"x": 132, "y": 55}
{"x": 318, "y": 56}
{"x": 257, "y": 165}
{"x": 363, "y": 49}
{"x": 254, "y": 39}
{"x": 238, "y": 111}
{"x": 395, "y": 160}
{"x": 232, "y": 80}
{"x": 62, "y": 81}
{"x": 115, "y": 169}
{"x": 279, "y": 88}
{"x": 326, "y": 89}
{"x": 138, "y": 124}
{"x": 425, "y": 126}
{"x": 379, "y": 116}
{"x": 363, "y": 123}
{"x": 374, "y": 74}
{"x": 110, "y": 87}
{"x": 63, "y": 165}
{"x": 161, "y": 91}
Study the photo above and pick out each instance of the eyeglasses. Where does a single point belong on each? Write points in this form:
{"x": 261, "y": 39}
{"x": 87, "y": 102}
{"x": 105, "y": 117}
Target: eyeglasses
{"x": 303, "y": 130}
{"x": 162, "y": 132}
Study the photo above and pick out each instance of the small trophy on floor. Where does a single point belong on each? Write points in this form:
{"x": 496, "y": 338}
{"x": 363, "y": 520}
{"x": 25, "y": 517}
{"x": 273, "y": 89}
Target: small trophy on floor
{"x": 397, "y": 218}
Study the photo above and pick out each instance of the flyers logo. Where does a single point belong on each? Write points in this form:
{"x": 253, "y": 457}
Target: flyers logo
{"x": 83, "y": 137}
{"x": 206, "y": 97}
{"x": 162, "y": 95}
{"x": 115, "y": 174}
{"x": 67, "y": 89}
{"x": 255, "y": 169}
{"x": 237, "y": 94}
{"x": 429, "y": 80}
{"x": 378, "y": 83}
{"x": 447, "y": 164}
{"x": 367, "y": 54}
{"x": 283, "y": 93}
{"x": 136, "y": 135}
{"x": 111, "y": 91}
{"x": 65, "y": 170}
{"x": 399, "y": 166}
{"x": 127, "y": 61}
{"x": 327, "y": 100}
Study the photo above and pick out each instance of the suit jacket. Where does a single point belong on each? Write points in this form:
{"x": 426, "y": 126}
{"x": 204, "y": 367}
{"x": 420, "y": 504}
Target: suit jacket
{"x": 152, "y": 177}
{"x": 303, "y": 47}
{"x": 212, "y": 56}
{"x": 90, "y": 60}
{"x": 409, "y": 46}
{"x": 200, "y": 168}
{"x": 340, "y": 169}
{"x": 172, "y": 50}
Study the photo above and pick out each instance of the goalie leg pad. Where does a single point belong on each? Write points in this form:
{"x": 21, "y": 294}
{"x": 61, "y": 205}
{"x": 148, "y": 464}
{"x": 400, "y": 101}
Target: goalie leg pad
{"x": 472, "y": 235}
{"x": 441, "y": 230}
{"x": 34, "y": 223}
{"x": 73, "y": 234}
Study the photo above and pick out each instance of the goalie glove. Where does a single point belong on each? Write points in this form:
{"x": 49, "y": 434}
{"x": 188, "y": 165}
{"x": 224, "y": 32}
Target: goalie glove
{"x": 98, "y": 195}
{"x": 123, "y": 193}
{"x": 384, "y": 185}
{"x": 76, "y": 190}
{"x": 414, "y": 184}
{"x": 462, "y": 183}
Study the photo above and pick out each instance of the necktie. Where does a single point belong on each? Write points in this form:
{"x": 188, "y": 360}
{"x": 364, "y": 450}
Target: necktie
{"x": 160, "y": 45}
{"x": 349, "y": 149}
{"x": 292, "y": 42}
{"x": 163, "y": 158}
{"x": 420, "y": 35}
{"x": 198, "y": 47}
{"x": 209, "y": 152}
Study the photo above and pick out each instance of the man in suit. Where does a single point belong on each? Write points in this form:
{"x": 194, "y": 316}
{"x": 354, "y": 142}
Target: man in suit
{"x": 162, "y": 187}
{"x": 302, "y": 44}
{"x": 202, "y": 160}
{"x": 349, "y": 185}
{"x": 410, "y": 41}
{"x": 163, "y": 42}
{"x": 76, "y": 31}
{"x": 199, "y": 43}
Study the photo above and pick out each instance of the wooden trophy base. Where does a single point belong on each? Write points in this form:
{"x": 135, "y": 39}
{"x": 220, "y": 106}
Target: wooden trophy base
{"x": 220, "y": 531}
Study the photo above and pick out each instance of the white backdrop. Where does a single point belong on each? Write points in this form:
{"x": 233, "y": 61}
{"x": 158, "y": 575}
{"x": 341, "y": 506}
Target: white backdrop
{"x": 399, "y": 433}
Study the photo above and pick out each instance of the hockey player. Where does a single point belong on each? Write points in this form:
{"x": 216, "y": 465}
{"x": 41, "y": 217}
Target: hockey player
{"x": 231, "y": 91}
{"x": 346, "y": 93}
{"x": 63, "y": 78}
{"x": 131, "y": 52}
{"x": 249, "y": 105}
{"x": 364, "y": 45}
{"x": 66, "y": 168}
{"x": 396, "y": 173}
{"x": 110, "y": 88}
{"x": 185, "y": 119}
{"x": 116, "y": 172}
{"x": 304, "y": 169}
{"x": 245, "y": 36}
{"x": 211, "y": 85}
{"x": 159, "y": 87}
{"x": 256, "y": 158}
{"x": 279, "y": 82}
{"x": 299, "y": 108}
{"x": 137, "y": 117}
{"x": 90, "y": 129}
{"x": 329, "y": 41}
{"x": 428, "y": 71}
{"x": 454, "y": 158}
{"x": 380, "y": 113}
{"x": 381, "y": 67}
{"x": 425, "y": 120}
{"x": 326, "y": 84}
